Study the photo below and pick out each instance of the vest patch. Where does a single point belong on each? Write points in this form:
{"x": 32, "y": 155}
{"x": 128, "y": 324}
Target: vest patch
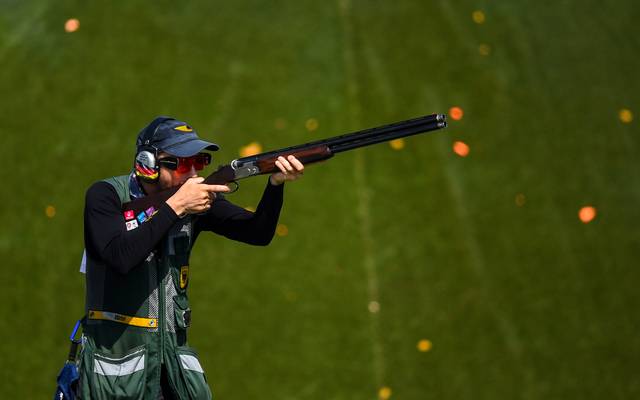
{"x": 151, "y": 211}
{"x": 133, "y": 224}
{"x": 142, "y": 217}
{"x": 184, "y": 276}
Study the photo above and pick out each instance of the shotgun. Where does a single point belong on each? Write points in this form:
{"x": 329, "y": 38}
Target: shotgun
{"x": 308, "y": 153}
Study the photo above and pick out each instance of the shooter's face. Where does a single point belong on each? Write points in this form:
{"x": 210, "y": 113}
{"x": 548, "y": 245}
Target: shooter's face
{"x": 171, "y": 178}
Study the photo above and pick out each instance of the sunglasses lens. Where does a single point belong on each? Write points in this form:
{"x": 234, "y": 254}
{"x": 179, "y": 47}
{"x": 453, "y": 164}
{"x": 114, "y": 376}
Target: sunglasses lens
{"x": 198, "y": 162}
{"x": 183, "y": 165}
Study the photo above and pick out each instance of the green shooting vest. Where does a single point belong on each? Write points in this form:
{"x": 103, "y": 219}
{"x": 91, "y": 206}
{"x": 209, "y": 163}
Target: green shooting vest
{"x": 137, "y": 322}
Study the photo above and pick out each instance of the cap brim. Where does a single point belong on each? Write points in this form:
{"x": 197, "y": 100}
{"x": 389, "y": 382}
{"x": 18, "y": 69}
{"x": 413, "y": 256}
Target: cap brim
{"x": 190, "y": 148}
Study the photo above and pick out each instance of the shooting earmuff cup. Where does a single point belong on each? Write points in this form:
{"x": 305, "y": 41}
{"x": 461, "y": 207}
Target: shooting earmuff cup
{"x": 145, "y": 164}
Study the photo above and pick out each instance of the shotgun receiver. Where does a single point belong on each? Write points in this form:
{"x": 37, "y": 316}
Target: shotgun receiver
{"x": 309, "y": 153}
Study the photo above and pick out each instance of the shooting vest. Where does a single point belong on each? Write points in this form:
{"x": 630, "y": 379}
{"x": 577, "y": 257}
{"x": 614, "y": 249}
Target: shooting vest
{"x": 137, "y": 322}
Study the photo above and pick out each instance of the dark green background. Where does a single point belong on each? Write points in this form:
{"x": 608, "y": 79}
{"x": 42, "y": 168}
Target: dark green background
{"x": 520, "y": 302}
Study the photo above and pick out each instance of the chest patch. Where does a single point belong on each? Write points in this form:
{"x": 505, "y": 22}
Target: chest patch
{"x": 184, "y": 276}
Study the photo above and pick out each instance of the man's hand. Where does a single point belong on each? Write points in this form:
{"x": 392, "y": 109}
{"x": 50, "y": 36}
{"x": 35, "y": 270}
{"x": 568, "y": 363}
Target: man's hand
{"x": 195, "y": 197}
{"x": 291, "y": 169}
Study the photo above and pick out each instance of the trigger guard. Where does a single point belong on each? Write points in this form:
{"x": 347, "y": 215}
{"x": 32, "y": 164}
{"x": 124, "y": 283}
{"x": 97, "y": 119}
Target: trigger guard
{"x": 235, "y": 188}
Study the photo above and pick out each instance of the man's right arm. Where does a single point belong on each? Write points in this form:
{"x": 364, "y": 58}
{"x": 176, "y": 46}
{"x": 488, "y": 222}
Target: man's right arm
{"x": 105, "y": 234}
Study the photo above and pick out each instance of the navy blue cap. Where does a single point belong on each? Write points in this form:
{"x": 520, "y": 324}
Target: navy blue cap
{"x": 173, "y": 137}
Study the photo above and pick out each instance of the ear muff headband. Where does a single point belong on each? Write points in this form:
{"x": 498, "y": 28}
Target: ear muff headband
{"x": 146, "y": 165}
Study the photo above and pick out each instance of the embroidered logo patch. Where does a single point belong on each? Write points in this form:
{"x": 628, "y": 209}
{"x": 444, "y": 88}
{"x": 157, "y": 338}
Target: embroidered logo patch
{"x": 133, "y": 224}
{"x": 142, "y": 217}
{"x": 150, "y": 211}
{"x": 129, "y": 215}
{"x": 184, "y": 276}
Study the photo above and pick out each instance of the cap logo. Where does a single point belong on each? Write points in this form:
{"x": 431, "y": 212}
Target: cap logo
{"x": 183, "y": 128}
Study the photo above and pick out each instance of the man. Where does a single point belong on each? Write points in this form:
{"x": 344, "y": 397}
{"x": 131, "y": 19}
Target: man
{"x": 137, "y": 266}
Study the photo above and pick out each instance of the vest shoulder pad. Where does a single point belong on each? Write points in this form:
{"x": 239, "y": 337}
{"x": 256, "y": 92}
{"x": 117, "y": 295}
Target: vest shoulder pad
{"x": 121, "y": 185}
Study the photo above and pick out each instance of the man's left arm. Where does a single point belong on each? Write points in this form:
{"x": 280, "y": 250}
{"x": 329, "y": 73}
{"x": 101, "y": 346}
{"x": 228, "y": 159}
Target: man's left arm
{"x": 257, "y": 228}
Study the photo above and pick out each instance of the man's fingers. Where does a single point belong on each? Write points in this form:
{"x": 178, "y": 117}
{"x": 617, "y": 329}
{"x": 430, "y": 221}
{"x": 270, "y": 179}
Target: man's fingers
{"x": 286, "y": 164}
{"x": 290, "y": 169}
{"x": 217, "y": 188}
{"x": 281, "y": 166}
{"x": 296, "y": 163}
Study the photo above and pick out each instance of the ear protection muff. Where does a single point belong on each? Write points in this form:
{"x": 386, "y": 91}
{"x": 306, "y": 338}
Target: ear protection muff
{"x": 146, "y": 165}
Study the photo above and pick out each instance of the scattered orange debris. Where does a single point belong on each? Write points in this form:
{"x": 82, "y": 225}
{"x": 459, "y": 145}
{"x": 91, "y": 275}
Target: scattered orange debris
{"x": 397, "y": 144}
{"x": 384, "y": 393}
{"x": 461, "y": 148}
{"x": 50, "y": 211}
{"x": 282, "y": 230}
{"x": 311, "y": 124}
{"x": 424, "y": 345}
{"x": 478, "y": 17}
{"x": 456, "y": 113}
{"x": 587, "y": 214}
{"x": 250, "y": 149}
{"x": 625, "y": 115}
{"x": 71, "y": 25}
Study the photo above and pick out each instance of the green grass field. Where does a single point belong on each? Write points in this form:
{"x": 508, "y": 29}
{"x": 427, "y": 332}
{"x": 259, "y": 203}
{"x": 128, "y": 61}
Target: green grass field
{"x": 484, "y": 256}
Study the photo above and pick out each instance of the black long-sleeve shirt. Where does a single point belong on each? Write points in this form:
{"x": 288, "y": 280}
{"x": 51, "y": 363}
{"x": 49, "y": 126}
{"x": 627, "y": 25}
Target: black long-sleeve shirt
{"x": 107, "y": 239}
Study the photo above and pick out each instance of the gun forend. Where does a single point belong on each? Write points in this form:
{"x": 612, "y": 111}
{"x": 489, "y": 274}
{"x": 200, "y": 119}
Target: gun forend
{"x": 265, "y": 163}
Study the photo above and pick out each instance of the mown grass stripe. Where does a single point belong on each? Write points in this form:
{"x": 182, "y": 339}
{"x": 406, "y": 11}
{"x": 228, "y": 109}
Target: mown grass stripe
{"x": 363, "y": 192}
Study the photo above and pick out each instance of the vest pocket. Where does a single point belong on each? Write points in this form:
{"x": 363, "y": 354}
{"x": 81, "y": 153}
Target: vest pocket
{"x": 192, "y": 374}
{"x": 182, "y": 311}
{"x": 114, "y": 376}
